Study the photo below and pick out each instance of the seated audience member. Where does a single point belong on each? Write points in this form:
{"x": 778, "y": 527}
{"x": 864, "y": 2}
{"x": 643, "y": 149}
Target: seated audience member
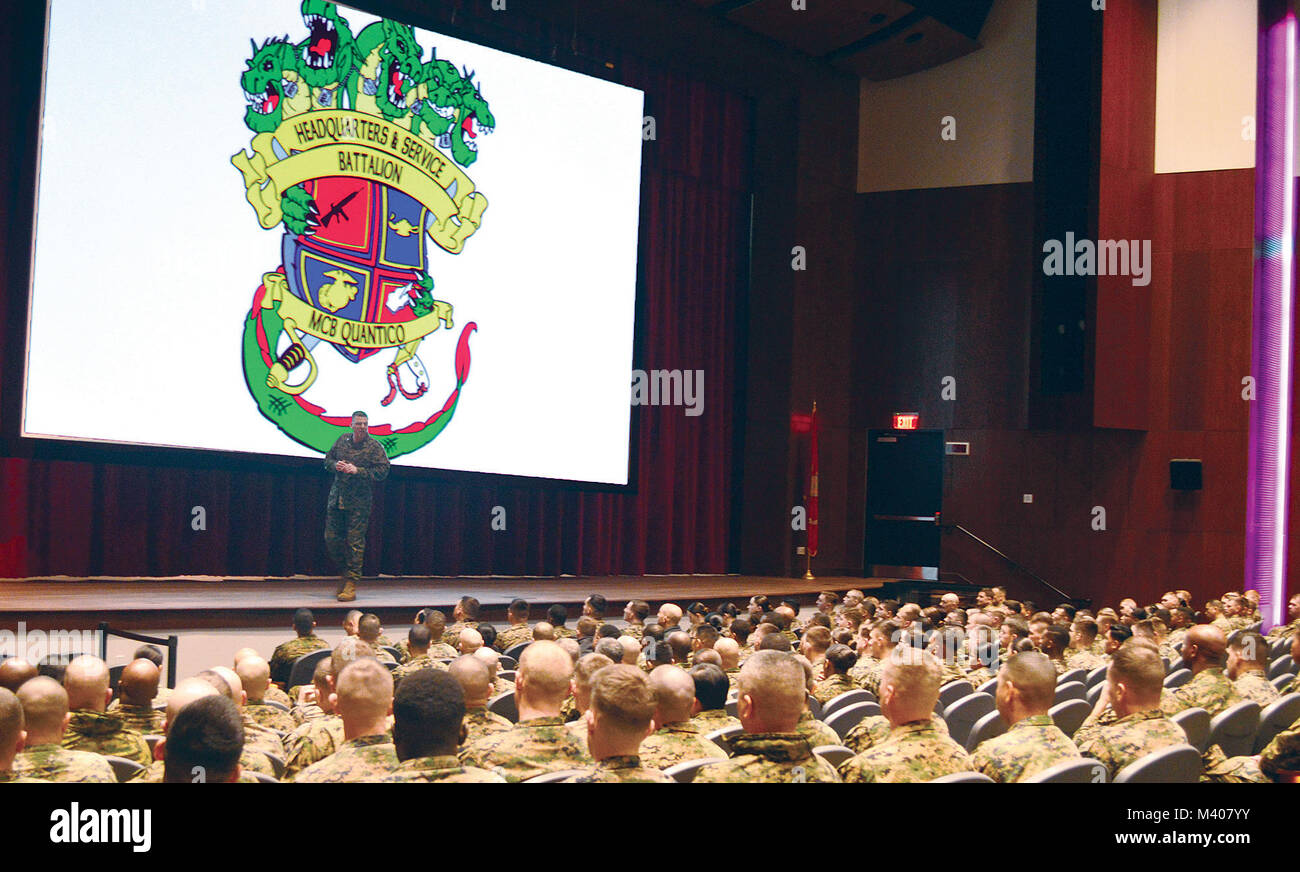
{"x": 1083, "y": 638}
{"x": 709, "y": 712}
{"x": 882, "y": 639}
{"x": 729, "y": 652}
{"x": 611, "y": 648}
{"x": 204, "y": 743}
{"x": 438, "y": 648}
{"x": 1286, "y": 631}
{"x": 272, "y": 693}
{"x": 255, "y": 677}
{"x": 679, "y": 643}
{"x": 266, "y": 742}
{"x": 137, "y": 688}
{"x": 580, "y": 690}
{"x": 304, "y": 642}
{"x": 631, "y": 649}
{"x": 492, "y": 660}
{"x": 312, "y": 701}
{"x": 518, "y": 631}
{"x": 1204, "y": 652}
{"x": 1117, "y": 635}
{"x": 558, "y": 616}
{"x": 475, "y": 680}
{"x": 1135, "y": 727}
{"x": 428, "y": 726}
{"x": 91, "y": 728}
{"x": 317, "y": 739}
{"x": 814, "y": 644}
{"x": 489, "y": 635}
{"x": 45, "y": 713}
{"x": 839, "y": 659}
{"x": 186, "y": 692}
{"x": 418, "y": 639}
{"x": 538, "y": 743}
{"x": 669, "y": 617}
{"x": 741, "y": 630}
{"x": 364, "y": 700}
{"x": 914, "y": 749}
{"x": 1247, "y": 668}
{"x": 543, "y": 632}
{"x": 594, "y": 607}
{"x": 676, "y": 738}
{"x": 618, "y": 721}
{"x": 14, "y": 672}
{"x": 1026, "y": 690}
{"x": 770, "y": 750}
{"x": 465, "y": 615}
{"x": 816, "y": 732}
{"x": 370, "y": 631}
{"x": 1054, "y": 642}
{"x": 634, "y": 615}
{"x": 12, "y": 736}
{"x": 586, "y": 628}
{"x": 470, "y": 640}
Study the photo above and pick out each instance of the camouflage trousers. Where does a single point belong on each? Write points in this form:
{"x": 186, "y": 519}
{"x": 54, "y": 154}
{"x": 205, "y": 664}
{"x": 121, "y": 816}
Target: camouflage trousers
{"x": 345, "y": 538}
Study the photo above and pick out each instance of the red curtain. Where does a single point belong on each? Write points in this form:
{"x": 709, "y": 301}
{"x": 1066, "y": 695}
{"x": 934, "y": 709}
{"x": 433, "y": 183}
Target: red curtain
{"x": 67, "y": 516}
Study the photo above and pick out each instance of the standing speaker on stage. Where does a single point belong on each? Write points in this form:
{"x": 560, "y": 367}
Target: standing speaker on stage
{"x": 357, "y": 460}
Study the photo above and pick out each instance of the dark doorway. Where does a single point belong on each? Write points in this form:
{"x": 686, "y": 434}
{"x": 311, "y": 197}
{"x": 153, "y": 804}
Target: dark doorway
{"x": 904, "y": 499}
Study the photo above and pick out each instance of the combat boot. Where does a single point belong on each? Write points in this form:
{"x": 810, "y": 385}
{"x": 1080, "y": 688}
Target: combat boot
{"x": 348, "y": 593}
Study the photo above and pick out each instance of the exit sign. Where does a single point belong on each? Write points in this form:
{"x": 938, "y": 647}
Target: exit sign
{"x": 906, "y": 420}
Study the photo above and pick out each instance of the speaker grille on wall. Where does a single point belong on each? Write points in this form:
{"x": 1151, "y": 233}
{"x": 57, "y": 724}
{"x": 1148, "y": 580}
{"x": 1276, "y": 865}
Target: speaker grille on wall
{"x": 1185, "y": 475}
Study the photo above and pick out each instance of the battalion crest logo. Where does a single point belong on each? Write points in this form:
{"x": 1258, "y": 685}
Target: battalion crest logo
{"x": 360, "y": 151}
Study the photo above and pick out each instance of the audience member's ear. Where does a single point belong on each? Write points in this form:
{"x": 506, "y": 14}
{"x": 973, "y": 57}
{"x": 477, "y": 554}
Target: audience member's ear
{"x": 108, "y": 697}
{"x": 160, "y": 750}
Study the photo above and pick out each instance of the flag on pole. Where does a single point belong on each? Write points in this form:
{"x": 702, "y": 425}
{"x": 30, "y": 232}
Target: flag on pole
{"x": 812, "y": 486}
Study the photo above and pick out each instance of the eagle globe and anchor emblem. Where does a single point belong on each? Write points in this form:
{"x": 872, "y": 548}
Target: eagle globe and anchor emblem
{"x": 360, "y": 151}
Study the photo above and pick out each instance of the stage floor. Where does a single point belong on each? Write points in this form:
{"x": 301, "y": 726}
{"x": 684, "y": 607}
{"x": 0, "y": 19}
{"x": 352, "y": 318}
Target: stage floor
{"x": 128, "y": 603}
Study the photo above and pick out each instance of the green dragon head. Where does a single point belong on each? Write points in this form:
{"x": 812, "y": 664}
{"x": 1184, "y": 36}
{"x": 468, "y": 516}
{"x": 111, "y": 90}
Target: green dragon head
{"x": 400, "y": 69}
{"x": 328, "y": 55}
{"x": 437, "y": 109}
{"x": 475, "y": 121}
{"x": 264, "y": 83}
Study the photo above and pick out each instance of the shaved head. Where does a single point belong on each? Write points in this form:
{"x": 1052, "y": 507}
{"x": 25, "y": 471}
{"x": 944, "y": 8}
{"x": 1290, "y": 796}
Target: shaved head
{"x": 543, "y": 632}
{"x": 909, "y": 685}
{"x": 572, "y": 648}
{"x": 631, "y": 648}
{"x": 543, "y": 677}
{"x": 243, "y": 654}
{"x": 11, "y": 725}
{"x": 255, "y": 676}
{"x": 139, "y": 682}
{"x": 470, "y": 640}
{"x": 489, "y": 658}
{"x": 365, "y": 691}
{"x": 45, "y": 704}
{"x": 350, "y": 649}
{"x": 1205, "y": 645}
{"x": 236, "y": 686}
{"x": 185, "y": 693}
{"x": 1034, "y": 679}
{"x": 475, "y": 681}
{"x": 86, "y": 681}
{"x": 772, "y": 692}
{"x": 15, "y": 671}
{"x": 729, "y": 651}
{"x": 674, "y": 691}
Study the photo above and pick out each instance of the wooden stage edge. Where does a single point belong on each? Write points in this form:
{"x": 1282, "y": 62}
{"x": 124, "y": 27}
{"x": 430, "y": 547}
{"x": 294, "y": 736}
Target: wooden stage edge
{"x": 220, "y": 602}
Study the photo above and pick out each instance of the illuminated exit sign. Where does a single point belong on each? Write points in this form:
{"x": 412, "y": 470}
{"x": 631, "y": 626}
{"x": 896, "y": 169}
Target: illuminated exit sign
{"x": 906, "y": 420}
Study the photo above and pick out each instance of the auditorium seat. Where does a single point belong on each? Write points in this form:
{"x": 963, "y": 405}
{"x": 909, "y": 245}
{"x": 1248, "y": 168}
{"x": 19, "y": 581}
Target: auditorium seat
{"x": 504, "y": 704}
{"x": 1079, "y": 675}
{"x": 849, "y": 697}
{"x": 722, "y": 738}
{"x": 1196, "y": 725}
{"x": 833, "y": 754}
{"x": 1095, "y": 677}
{"x": 1283, "y": 665}
{"x": 1070, "y": 690}
{"x": 305, "y": 666}
{"x": 963, "y": 778}
{"x": 989, "y": 686}
{"x": 396, "y": 655}
{"x": 123, "y": 768}
{"x": 1178, "y": 764}
{"x": 685, "y": 772}
{"x": 551, "y": 777}
{"x": 1082, "y": 771}
{"x": 1070, "y": 715}
{"x": 1234, "y": 730}
{"x": 1276, "y": 718}
{"x": 848, "y": 717}
{"x": 1177, "y": 678}
{"x": 962, "y": 715}
{"x": 514, "y": 651}
{"x": 263, "y": 778}
{"x": 953, "y": 691}
{"x": 507, "y": 662}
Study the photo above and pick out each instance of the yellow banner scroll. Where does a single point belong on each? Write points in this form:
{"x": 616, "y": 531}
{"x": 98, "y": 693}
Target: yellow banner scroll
{"x": 354, "y": 334}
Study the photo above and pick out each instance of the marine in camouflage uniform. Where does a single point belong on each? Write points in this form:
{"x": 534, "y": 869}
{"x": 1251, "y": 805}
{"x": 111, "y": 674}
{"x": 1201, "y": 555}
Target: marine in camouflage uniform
{"x": 816, "y": 732}
{"x": 1282, "y": 755}
{"x": 634, "y": 630}
{"x": 105, "y": 733}
{"x": 250, "y": 761}
{"x": 870, "y": 680}
{"x": 772, "y": 758}
{"x": 451, "y": 639}
{"x": 347, "y": 514}
{"x": 828, "y": 688}
{"x": 714, "y": 719}
{"x": 1210, "y": 689}
{"x": 1255, "y": 687}
{"x": 1085, "y": 660}
{"x": 1126, "y": 739}
{"x": 424, "y": 661}
{"x": 914, "y": 751}
{"x": 440, "y": 769}
{"x": 53, "y": 763}
{"x": 532, "y": 747}
{"x": 287, "y": 652}
{"x": 313, "y": 741}
{"x": 144, "y": 719}
{"x": 366, "y": 758}
{"x": 858, "y": 674}
{"x": 1284, "y": 631}
{"x": 980, "y": 675}
{"x": 275, "y": 694}
{"x": 480, "y": 722}
{"x": 270, "y": 717}
{"x": 621, "y": 770}
{"x": 676, "y": 743}
{"x": 512, "y": 636}
{"x": 304, "y": 713}
{"x": 1029, "y": 747}
{"x": 873, "y": 730}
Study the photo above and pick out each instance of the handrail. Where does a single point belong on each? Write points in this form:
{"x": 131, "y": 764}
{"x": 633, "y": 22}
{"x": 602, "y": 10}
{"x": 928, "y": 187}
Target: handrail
{"x": 1015, "y": 564}
{"x": 172, "y": 643}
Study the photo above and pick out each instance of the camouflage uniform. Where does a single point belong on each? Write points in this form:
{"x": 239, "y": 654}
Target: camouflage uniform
{"x": 828, "y": 688}
{"x": 1293, "y": 687}
{"x": 312, "y": 742}
{"x": 871, "y": 678}
{"x": 532, "y": 747}
{"x": 512, "y": 636}
{"x": 442, "y": 651}
{"x": 1256, "y": 688}
{"x": 1119, "y": 743}
{"x": 1282, "y": 755}
{"x": 440, "y": 769}
{"x": 578, "y": 729}
{"x": 1029, "y": 747}
{"x": 1284, "y": 631}
{"x": 347, "y": 513}
{"x": 871, "y": 731}
{"x": 1085, "y": 660}
{"x": 275, "y": 694}
{"x": 11, "y": 777}
{"x": 568, "y": 708}
{"x": 714, "y": 719}
{"x": 1176, "y": 635}
{"x": 249, "y": 761}
{"x": 403, "y": 652}
{"x": 270, "y": 717}
{"x": 565, "y": 633}
{"x": 260, "y": 738}
{"x": 144, "y": 719}
{"x": 414, "y": 665}
{"x": 621, "y": 770}
{"x": 451, "y": 637}
{"x": 979, "y": 675}
{"x": 287, "y": 652}
{"x": 634, "y": 630}
{"x": 500, "y": 686}
{"x": 105, "y": 733}
{"x": 480, "y": 722}
{"x": 54, "y": 763}
{"x": 676, "y": 743}
{"x": 304, "y": 713}
{"x": 772, "y": 758}
{"x": 367, "y": 758}
{"x": 858, "y": 674}
{"x": 1223, "y": 624}
{"x": 1210, "y": 689}
{"x": 816, "y": 732}
{"x": 1240, "y": 622}
{"x": 912, "y": 752}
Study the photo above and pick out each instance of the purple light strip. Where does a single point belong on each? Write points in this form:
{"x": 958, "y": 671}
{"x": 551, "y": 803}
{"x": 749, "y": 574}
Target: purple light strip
{"x": 1269, "y": 461}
